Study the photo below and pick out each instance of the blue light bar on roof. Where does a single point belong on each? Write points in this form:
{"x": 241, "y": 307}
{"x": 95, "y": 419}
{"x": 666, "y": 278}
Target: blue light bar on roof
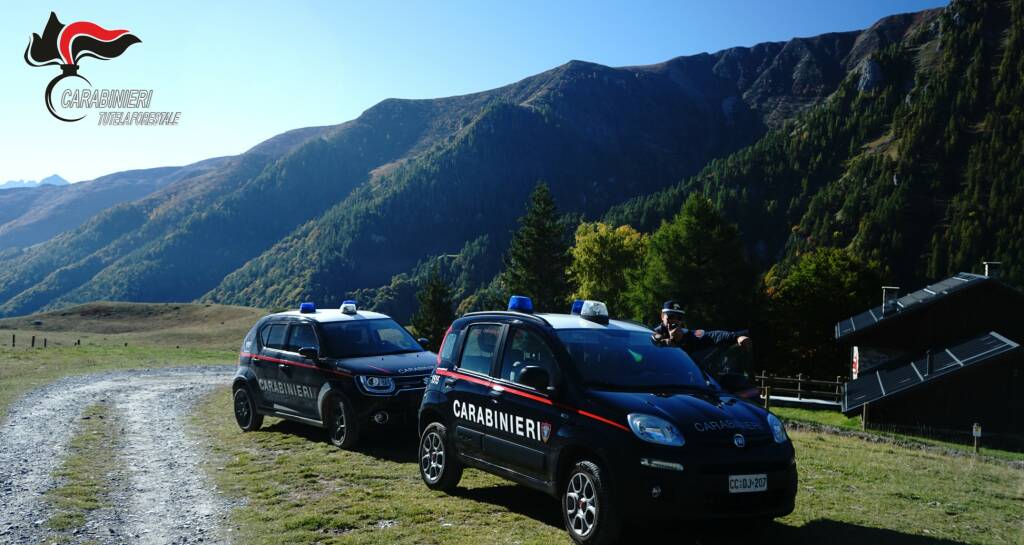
{"x": 520, "y": 303}
{"x": 307, "y": 308}
{"x": 577, "y": 306}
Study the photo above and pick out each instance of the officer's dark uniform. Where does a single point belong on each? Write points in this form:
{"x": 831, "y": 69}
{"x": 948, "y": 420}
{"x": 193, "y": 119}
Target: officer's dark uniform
{"x": 693, "y": 339}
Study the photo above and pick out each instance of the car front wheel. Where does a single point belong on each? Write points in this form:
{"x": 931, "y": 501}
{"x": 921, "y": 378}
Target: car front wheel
{"x": 439, "y": 468}
{"x": 587, "y": 508}
{"x": 342, "y": 426}
{"x": 245, "y": 410}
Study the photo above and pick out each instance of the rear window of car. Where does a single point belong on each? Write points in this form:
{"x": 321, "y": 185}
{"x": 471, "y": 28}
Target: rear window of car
{"x": 273, "y": 336}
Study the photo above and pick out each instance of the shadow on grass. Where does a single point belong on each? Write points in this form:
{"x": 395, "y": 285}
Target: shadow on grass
{"x": 396, "y": 444}
{"x": 813, "y": 533}
{"x": 517, "y": 499}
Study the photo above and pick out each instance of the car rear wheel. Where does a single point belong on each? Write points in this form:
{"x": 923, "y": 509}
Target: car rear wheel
{"x": 587, "y": 508}
{"x": 245, "y": 410}
{"x": 342, "y": 426}
{"x": 439, "y": 468}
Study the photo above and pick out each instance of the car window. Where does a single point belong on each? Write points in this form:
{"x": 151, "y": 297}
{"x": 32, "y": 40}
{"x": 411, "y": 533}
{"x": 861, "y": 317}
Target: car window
{"x": 478, "y": 352}
{"x": 525, "y": 348}
{"x": 302, "y": 336}
{"x": 360, "y": 338}
{"x": 628, "y": 359}
{"x": 448, "y": 346}
{"x": 273, "y": 336}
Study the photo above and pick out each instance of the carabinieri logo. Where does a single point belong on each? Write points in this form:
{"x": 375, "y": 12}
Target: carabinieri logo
{"x": 67, "y": 45}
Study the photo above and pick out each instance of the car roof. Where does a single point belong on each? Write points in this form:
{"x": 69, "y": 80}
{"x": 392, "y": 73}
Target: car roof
{"x": 575, "y": 321}
{"x": 562, "y": 321}
{"x": 331, "y": 315}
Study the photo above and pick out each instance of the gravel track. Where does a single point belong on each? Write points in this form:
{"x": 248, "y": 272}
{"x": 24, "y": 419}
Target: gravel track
{"x": 159, "y": 494}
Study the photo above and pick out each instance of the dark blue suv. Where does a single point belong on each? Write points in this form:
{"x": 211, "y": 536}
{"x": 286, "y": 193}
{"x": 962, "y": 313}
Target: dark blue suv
{"x": 344, "y": 369}
{"x": 591, "y": 411}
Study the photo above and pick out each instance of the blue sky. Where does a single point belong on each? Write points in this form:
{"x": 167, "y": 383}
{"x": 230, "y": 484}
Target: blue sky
{"x": 243, "y": 72}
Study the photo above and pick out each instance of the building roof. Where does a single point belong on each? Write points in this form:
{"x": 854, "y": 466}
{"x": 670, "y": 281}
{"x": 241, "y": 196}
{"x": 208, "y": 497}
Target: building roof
{"x": 898, "y": 376}
{"x": 910, "y": 304}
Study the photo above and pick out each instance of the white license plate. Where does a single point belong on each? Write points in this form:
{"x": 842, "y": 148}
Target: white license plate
{"x": 748, "y": 483}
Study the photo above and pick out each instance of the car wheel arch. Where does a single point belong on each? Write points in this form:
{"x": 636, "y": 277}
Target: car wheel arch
{"x": 428, "y": 416}
{"x": 569, "y": 456}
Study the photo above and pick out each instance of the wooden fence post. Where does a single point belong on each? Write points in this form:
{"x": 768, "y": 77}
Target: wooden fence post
{"x": 44, "y": 342}
{"x": 33, "y": 341}
{"x": 864, "y": 417}
{"x": 767, "y": 397}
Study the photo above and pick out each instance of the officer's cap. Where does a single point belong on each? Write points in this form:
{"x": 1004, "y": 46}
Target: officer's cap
{"x": 673, "y": 307}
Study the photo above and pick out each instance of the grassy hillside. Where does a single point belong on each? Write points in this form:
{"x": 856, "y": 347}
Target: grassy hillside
{"x": 117, "y": 336}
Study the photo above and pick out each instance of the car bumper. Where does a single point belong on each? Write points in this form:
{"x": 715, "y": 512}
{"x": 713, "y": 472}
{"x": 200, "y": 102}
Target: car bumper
{"x": 701, "y": 489}
{"x": 401, "y": 409}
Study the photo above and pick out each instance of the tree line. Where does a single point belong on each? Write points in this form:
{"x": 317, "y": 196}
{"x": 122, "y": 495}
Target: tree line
{"x": 695, "y": 257}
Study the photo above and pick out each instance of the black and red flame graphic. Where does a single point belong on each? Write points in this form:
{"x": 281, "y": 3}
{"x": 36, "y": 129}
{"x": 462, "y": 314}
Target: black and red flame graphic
{"x": 67, "y": 45}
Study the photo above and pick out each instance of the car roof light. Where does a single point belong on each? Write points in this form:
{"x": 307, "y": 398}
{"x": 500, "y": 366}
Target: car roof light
{"x": 307, "y": 308}
{"x": 520, "y": 303}
{"x": 577, "y": 306}
{"x": 348, "y": 306}
{"x": 595, "y": 311}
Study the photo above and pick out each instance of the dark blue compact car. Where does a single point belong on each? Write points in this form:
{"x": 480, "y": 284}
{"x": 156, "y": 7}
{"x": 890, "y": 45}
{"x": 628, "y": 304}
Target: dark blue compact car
{"x": 344, "y": 369}
{"x": 591, "y": 411}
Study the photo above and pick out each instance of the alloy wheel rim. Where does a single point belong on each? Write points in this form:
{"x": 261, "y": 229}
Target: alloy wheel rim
{"x": 242, "y": 409}
{"x": 339, "y": 423}
{"x": 432, "y": 456}
{"x": 581, "y": 504}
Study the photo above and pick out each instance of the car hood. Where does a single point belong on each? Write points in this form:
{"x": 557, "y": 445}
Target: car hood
{"x": 410, "y": 363}
{"x": 709, "y": 415}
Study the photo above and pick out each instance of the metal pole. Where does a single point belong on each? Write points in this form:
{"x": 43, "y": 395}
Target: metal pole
{"x": 864, "y": 417}
{"x": 767, "y": 397}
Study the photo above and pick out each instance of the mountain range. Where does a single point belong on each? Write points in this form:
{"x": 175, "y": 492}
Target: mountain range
{"x": 362, "y": 207}
{"x": 49, "y": 180}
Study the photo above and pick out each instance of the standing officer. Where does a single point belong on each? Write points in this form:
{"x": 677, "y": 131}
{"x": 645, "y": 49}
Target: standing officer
{"x": 673, "y": 332}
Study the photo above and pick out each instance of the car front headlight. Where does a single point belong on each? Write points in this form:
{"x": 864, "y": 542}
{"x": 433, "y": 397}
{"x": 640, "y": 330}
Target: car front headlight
{"x": 778, "y": 429}
{"x": 377, "y": 385}
{"x": 655, "y": 430}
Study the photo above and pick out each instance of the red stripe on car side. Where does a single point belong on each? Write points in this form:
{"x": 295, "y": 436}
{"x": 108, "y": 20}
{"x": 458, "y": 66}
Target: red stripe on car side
{"x": 295, "y": 363}
{"x": 528, "y": 395}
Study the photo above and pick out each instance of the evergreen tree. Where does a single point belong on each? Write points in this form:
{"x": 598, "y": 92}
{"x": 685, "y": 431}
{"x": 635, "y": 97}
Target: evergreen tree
{"x": 697, "y": 259}
{"x": 602, "y": 259}
{"x": 435, "y": 311}
{"x": 538, "y": 255}
{"x": 802, "y": 306}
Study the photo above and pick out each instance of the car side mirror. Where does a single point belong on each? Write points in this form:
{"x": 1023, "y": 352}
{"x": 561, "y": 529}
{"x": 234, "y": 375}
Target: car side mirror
{"x": 423, "y": 341}
{"x": 310, "y": 353}
{"x": 535, "y": 377}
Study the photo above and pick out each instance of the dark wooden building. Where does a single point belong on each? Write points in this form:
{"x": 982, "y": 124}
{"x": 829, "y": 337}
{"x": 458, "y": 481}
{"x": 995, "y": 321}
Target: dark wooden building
{"x": 940, "y": 359}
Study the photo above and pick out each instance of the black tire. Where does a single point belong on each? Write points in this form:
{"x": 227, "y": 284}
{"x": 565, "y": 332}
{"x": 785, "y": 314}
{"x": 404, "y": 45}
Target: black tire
{"x": 587, "y": 507}
{"x": 341, "y": 422}
{"x": 440, "y": 469}
{"x": 248, "y": 418}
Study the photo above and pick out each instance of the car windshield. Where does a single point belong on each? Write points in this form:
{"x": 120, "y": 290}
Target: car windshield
{"x": 359, "y": 338}
{"x": 622, "y": 359}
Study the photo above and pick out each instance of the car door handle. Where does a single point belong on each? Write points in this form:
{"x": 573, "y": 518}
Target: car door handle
{"x": 282, "y": 367}
{"x": 450, "y": 381}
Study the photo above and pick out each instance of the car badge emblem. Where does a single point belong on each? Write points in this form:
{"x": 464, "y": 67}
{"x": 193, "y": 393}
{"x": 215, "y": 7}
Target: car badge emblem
{"x": 739, "y": 440}
{"x": 545, "y": 431}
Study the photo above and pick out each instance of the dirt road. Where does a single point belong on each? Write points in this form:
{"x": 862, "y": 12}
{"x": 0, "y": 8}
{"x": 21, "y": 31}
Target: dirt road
{"x": 159, "y": 493}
